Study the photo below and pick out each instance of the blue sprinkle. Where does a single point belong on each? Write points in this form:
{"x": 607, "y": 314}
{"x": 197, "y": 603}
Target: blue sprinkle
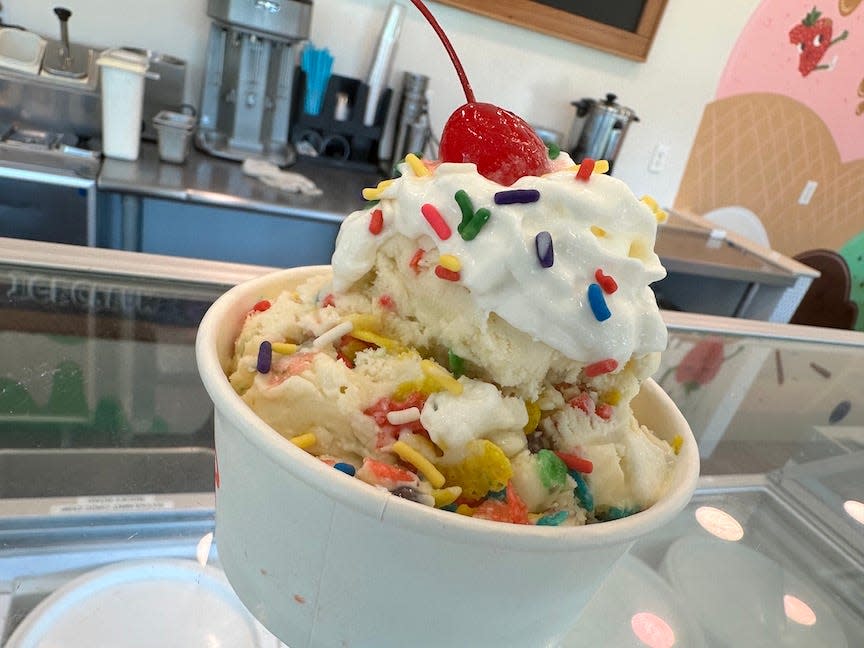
{"x": 598, "y": 303}
{"x": 500, "y": 495}
{"x": 450, "y": 507}
{"x": 346, "y": 468}
{"x": 616, "y": 513}
{"x": 545, "y": 251}
{"x": 553, "y": 519}
{"x": 265, "y": 356}
{"x": 582, "y": 492}
{"x": 516, "y": 196}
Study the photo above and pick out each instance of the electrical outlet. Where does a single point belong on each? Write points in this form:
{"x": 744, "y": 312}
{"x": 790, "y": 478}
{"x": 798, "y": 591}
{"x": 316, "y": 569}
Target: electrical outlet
{"x": 807, "y": 192}
{"x": 659, "y": 158}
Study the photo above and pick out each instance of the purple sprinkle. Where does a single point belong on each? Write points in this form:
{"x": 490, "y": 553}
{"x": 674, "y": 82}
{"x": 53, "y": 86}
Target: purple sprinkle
{"x": 516, "y": 196}
{"x": 265, "y": 356}
{"x": 598, "y": 303}
{"x": 545, "y": 252}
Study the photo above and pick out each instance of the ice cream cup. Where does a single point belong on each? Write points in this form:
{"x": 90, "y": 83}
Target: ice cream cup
{"x": 323, "y": 559}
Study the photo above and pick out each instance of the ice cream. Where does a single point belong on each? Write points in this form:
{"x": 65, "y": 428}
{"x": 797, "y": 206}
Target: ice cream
{"x": 477, "y": 346}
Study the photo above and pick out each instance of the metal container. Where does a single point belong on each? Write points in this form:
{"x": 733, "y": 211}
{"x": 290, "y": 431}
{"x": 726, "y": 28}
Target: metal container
{"x": 283, "y": 19}
{"x": 599, "y": 128}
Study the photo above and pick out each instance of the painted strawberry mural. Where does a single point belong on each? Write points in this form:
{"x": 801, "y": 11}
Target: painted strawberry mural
{"x": 812, "y": 36}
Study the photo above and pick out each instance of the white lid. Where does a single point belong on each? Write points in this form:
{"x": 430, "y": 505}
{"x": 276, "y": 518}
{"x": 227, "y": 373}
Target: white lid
{"x": 169, "y": 603}
{"x": 124, "y": 60}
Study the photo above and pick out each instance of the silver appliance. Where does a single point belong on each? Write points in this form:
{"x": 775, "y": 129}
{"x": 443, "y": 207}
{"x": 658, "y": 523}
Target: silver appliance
{"x": 599, "y": 128}
{"x": 249, "y": 76}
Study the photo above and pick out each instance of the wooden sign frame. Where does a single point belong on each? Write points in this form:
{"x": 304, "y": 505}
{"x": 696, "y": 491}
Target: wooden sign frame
{"x": 561, "y": 24}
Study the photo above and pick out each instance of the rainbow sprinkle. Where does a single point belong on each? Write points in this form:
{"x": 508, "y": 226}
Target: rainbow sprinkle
{"x": 436, "y": 221}
{"x": 445, "y": 273}
{"x": 284, "y": 348}
{"x": 417, "y": 165}
{"x": 607, "y": 283}
{"x": 545, "y": 251}
{"x": 465, "y": 206}
{"x": 598, "y": 303}
{"x": 602, "y": 367}
{"x": 304, "y": 441}
{"x": 346, "y": 468}
{"x": 422, "y": 464}
{"x": 370, "y": 193}
{"x": 344, "y": 328}
{"x": 376, "y": 221}
{"x": 450, "y": 262}
{"x": 517, "y": 197}
{"x": 473, "y": 227}
{"x": 585, "y": 170}
{"x": 265, "y": 357}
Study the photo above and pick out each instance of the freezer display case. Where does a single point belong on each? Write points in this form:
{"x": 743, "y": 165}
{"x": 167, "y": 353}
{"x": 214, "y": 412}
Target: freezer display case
{"x": 106, "y": 472}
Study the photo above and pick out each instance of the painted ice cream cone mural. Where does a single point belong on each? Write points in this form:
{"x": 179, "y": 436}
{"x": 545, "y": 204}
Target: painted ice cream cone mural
{"x": 788, "y": 121}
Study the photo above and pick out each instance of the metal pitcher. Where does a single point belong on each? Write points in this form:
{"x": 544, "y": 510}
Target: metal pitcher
{"x": 599, "y": 128}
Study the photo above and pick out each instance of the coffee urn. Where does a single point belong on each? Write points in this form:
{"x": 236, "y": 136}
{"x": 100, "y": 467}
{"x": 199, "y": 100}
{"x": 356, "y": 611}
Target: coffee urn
{"x": 599, "y": 128}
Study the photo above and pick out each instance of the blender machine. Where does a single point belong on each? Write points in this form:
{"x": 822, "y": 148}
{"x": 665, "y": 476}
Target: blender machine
{"x": 248, "y": 78}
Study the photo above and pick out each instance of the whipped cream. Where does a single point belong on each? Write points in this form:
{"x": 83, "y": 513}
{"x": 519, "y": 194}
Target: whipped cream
{"x": 594, "y": 225}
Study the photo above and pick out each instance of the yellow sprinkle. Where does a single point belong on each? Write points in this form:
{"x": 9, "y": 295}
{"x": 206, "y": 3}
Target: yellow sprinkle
{"x": 533, "y": 410}
{"x": 417, "y": 165}
{"x": 450, "y": 262}
{"x": 652, "y": 204}
{"x": 304, "y": 441}
{"x": 661, "y": 216}
{"x": 421, "y": 444}
{"x": 421, "y": 463}
{"x": 370, "y": 193}
{"x": 677, "y": 442}
{"x": 613, "y": 397}
{"x": 364, "y": 321}
{"x": 599, "y": 232}
{"x": 378, "y": 340}
{"x": 445, "y": 496}
{"x": 638, "y": 250}
{"x": 601, "y": 166}
{"x": 464, "y": 509}
{"x": 440, "y": 375}
{"x": 285, "y": 348}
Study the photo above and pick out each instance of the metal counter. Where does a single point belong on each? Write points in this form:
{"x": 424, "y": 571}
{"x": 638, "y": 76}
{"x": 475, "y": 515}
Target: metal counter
{"x": 107, "y": 447}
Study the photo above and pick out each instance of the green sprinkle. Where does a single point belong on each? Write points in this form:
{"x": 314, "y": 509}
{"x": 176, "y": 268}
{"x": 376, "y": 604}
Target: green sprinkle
{"x": 553, "y": 519}
{"x": 554, "y": 150}
{"x": 475, "y": 224}
{"x": 551, "y": 470}
{"x": 582, "y": 492}
{"x": 457, "y": 364}
{"x": 464, "y": 202}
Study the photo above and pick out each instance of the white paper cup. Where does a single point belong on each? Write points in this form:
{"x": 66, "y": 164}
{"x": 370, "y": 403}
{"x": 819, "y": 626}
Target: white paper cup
{"x": 323, "y": 559}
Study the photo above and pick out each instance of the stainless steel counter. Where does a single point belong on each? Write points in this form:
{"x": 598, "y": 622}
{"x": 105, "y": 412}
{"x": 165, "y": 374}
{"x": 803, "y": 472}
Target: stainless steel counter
{"x": 215, "y": 181}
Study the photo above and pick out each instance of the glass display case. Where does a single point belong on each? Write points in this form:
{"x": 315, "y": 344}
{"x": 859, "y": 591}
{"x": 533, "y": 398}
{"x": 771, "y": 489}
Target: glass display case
{"x": 106, "y": 471}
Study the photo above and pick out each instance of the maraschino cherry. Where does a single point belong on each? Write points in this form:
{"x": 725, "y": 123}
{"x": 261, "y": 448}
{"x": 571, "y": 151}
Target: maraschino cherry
{"x": 502, "y": 145}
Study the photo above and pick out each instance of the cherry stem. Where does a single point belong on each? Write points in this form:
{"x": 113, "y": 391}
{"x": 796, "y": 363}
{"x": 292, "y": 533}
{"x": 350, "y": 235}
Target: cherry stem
{"x": 460, "y": 71}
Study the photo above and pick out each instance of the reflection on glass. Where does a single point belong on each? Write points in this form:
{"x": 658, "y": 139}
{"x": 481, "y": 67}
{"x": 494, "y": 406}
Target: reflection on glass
{"x": 651, "y": 630}
{"x": 798, "y": 611}
{"x": 202, "y": 551}
{"x": 719, "y": 523}
{"x": 855, "y": 510}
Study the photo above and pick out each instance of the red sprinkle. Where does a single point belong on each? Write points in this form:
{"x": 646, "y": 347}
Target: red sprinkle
{"x": 599, "y": 368}
{"x": 583, "y": 402}
{"x": 436, "y": 221}
{"x": 607, "y": 283}
{"x": 604, "y": 411}
{"x": 328, "y": 300}
{"x": 575, "y": 462}
{"x": 376, "y": 221}
{"x": 386, "y": 301}
{"x": 444, "y": 273}
{"x": 261, "y": 306}
{"x": 414, "y": 263}
{"x": 586, "y": 168}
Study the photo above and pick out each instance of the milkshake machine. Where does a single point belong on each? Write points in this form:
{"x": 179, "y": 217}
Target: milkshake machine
{"x": 249, "y": 76}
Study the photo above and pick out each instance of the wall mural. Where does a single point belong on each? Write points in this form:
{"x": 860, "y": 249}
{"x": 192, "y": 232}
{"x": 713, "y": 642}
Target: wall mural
{"x": 783, "y": 141}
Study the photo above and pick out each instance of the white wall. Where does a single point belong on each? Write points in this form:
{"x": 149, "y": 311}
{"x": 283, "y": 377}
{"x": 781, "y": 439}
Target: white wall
{"x": 531, "y": 74}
